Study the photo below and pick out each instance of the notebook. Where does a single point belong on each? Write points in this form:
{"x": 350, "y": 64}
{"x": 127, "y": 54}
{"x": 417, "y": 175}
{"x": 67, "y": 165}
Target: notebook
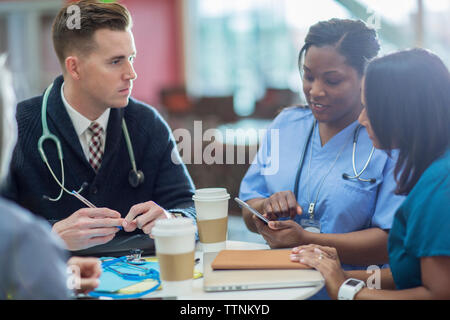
{"x": 256, "y": 259}
{"x": 246, "y": 279}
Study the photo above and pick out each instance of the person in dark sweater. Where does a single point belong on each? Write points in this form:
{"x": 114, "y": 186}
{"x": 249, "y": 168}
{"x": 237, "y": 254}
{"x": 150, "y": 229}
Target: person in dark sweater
{"x": 87, "y": 109}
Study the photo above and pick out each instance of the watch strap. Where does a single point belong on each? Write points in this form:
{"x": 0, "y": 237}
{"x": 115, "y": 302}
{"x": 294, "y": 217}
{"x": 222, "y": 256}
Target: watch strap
{"x": 348, "y": 292}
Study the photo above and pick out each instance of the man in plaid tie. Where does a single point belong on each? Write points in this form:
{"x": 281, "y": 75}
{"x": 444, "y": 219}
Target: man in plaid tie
{"x": 86, "y": 108}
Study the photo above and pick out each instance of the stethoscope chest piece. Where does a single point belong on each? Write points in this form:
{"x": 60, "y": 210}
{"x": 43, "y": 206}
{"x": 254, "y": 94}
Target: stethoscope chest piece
{"x": 136, "y": 178}
{"x": 135, "y": 257}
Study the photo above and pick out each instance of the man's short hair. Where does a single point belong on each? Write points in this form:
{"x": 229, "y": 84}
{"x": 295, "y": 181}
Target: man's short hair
{"x": 92, "y": 16}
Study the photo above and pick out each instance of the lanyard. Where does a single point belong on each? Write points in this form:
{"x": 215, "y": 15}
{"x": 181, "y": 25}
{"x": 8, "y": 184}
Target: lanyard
{"x": 302, "y": 160}
{"x": 312, "y": 204}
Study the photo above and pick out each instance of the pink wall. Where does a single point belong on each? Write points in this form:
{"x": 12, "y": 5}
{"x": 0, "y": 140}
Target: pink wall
{"x": 158, "y": 36}
{"x": 158, "y": 40}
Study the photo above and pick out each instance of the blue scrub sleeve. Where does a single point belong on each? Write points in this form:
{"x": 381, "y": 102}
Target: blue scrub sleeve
{"x": 387, "y": 201}
{"x": 427, "y": 230}
{"x": 254, "y": 183}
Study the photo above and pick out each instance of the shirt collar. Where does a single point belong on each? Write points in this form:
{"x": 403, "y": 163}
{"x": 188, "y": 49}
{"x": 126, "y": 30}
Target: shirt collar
{"x": 80, "y": 122}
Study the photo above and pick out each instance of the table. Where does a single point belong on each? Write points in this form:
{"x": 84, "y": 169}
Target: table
{"x": 268, "y": 294}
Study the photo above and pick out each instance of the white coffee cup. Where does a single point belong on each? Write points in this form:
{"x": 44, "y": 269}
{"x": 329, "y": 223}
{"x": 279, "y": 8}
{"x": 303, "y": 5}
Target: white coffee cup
{"x": 211, "y": 192}
{"x": 175, "y": 249}
{"x": 211, "y": 205}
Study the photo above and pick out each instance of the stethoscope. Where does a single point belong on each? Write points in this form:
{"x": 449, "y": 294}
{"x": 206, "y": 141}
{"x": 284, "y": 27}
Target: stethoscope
{"x": 357, "y": 175}
{"x": 135, "y": 177}
{"x": 143, "y": 273}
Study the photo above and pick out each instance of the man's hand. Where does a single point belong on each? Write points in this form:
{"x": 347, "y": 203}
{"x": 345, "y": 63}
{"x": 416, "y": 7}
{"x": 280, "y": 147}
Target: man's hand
{"x": 144, "y": 216}
{"x": 88, "y": 227}
{"x": 88, "y": 271}
{"x": 281, "y": 234}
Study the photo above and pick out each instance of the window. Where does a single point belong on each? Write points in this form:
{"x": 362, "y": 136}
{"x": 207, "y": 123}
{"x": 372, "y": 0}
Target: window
{"x": 242, "y": 47}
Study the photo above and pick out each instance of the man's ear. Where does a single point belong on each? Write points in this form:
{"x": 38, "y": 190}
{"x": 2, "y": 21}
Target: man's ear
{"x": 72, "y": 66}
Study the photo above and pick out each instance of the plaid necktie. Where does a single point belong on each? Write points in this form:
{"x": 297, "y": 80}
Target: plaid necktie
{"x": 95, "y": 146}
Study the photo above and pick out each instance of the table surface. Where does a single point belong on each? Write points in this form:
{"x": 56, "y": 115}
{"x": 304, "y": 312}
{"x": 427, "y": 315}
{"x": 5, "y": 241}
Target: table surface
{"x": 266, "y": 294}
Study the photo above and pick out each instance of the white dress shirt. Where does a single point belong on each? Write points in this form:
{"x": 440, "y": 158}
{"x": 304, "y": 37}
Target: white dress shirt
{"x": 81, "y": 125}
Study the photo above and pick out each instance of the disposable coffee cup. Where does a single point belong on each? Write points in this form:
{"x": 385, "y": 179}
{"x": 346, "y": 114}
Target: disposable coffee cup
{"x": 211, "y": 205}
{"x": 175, "y": 250}
{"x": 211, "y": 192}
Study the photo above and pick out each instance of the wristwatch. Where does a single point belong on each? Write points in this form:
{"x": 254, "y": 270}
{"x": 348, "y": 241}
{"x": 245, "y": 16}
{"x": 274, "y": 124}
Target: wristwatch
{"x": 350, "y": 288}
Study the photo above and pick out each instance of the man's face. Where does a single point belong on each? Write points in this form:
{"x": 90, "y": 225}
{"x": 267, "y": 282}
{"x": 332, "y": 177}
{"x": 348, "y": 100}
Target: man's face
{"x": 107, "y": 73}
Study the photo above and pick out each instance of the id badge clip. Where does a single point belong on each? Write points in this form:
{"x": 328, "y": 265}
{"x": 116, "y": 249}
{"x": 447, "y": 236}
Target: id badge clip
{"x": 310, "y": 224}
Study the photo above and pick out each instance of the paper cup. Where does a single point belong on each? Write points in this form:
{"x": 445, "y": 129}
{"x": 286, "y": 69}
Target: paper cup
{"x": 211, "y": 192}
{"x": 175, "y": 248}
{"x": 211, "y": 205}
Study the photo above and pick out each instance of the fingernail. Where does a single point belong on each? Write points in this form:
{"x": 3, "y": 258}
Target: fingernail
{"x": 124, "y": 223}
{"x": 302, "y": 260}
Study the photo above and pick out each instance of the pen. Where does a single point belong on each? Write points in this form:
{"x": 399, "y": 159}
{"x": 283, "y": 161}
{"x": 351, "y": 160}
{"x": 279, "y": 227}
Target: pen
{"x": 87, "y": 203}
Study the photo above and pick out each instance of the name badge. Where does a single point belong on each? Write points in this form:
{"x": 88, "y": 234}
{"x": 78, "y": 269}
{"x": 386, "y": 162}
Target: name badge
{"x": 310, "y": 225}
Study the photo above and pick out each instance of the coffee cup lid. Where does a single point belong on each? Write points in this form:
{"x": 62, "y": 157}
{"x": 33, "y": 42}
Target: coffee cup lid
{"x": 211, "y": 198}
{"x": 210, "y": 192}
{"x": 173, "y": 227}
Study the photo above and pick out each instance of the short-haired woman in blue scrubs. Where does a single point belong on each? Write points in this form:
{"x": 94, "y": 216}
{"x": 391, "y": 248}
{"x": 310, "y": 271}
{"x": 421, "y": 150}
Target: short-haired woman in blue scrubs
{"x": 329, "y": 200}
{"x": 407, "y": 106}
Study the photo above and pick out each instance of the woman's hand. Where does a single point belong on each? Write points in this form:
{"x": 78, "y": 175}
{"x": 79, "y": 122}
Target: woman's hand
{"x": 326, "y": 261}
{"x": 281, "y": 234}
{"x": 281, "y": 204}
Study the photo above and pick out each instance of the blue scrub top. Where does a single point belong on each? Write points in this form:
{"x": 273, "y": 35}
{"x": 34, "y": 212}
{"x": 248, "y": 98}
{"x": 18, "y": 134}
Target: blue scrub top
{"x": 343, "y": 205}
{"x": 421, "y": 225}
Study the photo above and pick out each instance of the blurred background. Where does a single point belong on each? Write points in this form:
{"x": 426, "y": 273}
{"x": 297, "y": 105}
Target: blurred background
{"x": 231, "y": 64}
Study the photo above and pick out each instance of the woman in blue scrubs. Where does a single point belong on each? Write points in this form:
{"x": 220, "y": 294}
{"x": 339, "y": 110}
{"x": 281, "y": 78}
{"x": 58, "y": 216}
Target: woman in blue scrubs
{"x": 352, "y": 215}
{"x": 407, "y": 106}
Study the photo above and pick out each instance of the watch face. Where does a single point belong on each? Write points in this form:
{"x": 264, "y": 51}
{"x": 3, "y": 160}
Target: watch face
{"x": 352, "y": 283}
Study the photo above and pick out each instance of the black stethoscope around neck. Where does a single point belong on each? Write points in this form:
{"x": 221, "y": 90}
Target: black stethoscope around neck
{"x": 135, "y": 177}
{"x": 357, "y": 175}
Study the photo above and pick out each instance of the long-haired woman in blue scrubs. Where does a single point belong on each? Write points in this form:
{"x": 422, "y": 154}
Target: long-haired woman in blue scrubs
{"x": 331, "y": 187}
{"x": 407, "y": 106}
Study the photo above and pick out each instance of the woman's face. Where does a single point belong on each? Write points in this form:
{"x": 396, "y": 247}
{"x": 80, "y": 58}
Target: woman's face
{"x": 332, "y": 87}
{"x": 364, "y": 120}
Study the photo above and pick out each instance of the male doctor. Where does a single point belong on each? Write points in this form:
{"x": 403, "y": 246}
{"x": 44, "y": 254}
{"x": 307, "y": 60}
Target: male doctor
{"x": 85, "y": 111}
